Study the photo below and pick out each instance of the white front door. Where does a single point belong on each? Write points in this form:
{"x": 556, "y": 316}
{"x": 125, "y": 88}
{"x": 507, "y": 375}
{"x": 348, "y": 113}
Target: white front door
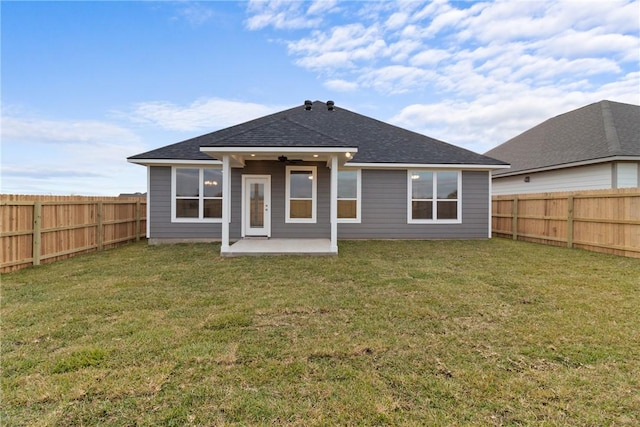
{"x": 256, "y": 205}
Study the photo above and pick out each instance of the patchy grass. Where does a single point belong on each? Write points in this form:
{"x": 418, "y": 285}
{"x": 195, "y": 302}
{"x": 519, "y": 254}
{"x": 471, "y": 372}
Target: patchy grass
{"x": 404, "y": 333}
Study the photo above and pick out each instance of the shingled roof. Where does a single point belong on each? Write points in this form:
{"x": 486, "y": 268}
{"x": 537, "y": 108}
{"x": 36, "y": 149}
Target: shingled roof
{"x": 376, "y": 141}
{"x": 601, "y": 131}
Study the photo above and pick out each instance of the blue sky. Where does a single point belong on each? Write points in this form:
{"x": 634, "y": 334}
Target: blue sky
{"x": 87, "y": 84}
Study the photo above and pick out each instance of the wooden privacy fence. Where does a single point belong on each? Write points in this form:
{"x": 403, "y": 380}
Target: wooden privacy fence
{"x": 602, "y": 221}
{"x": 41, "y": 229}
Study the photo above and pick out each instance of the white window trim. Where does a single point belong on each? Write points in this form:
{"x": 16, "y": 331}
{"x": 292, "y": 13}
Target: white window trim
{"x": 201, "y": 197}
{"x": 410, "y": 220}
{"x": 358, "y": 198}
{"x": 314, "y": 194}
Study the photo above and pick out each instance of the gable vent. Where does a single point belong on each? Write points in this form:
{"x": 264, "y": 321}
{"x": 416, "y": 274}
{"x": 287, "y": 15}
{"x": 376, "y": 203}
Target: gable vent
{"x": 307, "y": 105}
{"x": 330, "y": 105}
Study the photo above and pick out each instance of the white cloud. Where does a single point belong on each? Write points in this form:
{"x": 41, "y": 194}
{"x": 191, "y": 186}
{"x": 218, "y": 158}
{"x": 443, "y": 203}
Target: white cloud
{"x": 342, "y": 47}
{"x": 446, "y": 17}
{"x": 491, "y": 119}
{"x": 396, "y": 79}
{"x": 429, "y": 57}
{"x": 402, "y": 49}
{"x": 321, "y": 6}
{"x": 283, "y": 14}
{"x": 44, "y": 156}
{"x": 341, "y": 85}
{"x": 466, "y": 50}
{"x": 593, "y": 43}
{"x": 327, "y": 61}
{"x": 63, "y": 131}
{"x": 500, "y": 67}
{"x": 195, "y": 13}
{"x": 356, "y": 40}
{"x": 397, "y": 20}
{"x": 626, "y": 89}
{"x": 203, "y": 114}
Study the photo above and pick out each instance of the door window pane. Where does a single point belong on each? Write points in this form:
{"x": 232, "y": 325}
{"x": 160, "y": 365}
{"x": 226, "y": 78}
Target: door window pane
{"x": 256, "y": 202}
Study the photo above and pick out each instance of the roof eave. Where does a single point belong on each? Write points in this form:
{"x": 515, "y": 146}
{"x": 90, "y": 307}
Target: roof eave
{"x": 173, "y": 162}
{"x": 424, "y": 165}
{"x": 566, "y": 165}
{"x": 276, "y": 149}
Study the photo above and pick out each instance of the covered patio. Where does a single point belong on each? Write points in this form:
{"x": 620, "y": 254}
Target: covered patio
{"x": 258, "y": 247}
{"x": 256, "y": 203}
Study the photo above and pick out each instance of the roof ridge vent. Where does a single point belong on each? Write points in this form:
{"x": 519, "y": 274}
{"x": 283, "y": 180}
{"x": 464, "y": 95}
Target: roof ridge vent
{"x": 330, "y": 105}
{"x": 307, "y": 105}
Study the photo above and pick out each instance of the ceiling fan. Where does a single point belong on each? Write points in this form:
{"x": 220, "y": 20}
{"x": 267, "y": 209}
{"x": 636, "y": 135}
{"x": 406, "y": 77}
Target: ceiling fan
{"x": 285, "y": 159}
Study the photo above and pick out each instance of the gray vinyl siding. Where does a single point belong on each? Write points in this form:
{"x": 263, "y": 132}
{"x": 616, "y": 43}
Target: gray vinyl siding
{"x": 160, "y": 213}
{"x": 384, "y": 209}
{"x": 279, "y": 229}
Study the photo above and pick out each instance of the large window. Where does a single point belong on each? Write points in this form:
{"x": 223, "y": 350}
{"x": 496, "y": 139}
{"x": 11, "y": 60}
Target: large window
{"x": 434, "y": 196}
{"x": 197, "y": 194}
{"x": 349, "y": 195}
{"x": 301, "y": 193}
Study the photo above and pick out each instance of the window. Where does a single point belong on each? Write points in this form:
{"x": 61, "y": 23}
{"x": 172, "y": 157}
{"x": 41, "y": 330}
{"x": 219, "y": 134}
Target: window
{"x": 349, "y": 195}
{"x": 301, "y": 194}
{"x": 434, "y": 196}
{"x": 197, "y": 194}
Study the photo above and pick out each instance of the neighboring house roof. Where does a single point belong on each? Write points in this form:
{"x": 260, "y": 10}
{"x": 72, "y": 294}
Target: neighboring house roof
{"x": 137, "y": 194}
{"x": 376, "y": 141}
{"x": 598, "y": 132}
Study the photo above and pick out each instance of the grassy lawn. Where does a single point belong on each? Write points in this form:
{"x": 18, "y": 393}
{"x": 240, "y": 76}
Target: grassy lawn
{"x": 402, "y": 333}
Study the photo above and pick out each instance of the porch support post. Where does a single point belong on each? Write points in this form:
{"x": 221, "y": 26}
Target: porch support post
{"x": 334, "y": 204}
{"x": 226, "y": 203}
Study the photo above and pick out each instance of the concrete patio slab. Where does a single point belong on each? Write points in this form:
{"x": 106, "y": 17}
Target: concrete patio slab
{"x": 258, "y": 247}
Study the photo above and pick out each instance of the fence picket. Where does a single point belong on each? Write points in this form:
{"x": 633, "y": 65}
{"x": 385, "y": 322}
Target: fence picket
{"x": 602, "y": 220}
{"x": 41, "y": 229}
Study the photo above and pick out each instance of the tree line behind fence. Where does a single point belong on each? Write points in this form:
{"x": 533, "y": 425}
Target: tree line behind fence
{"x": 41, "y": 229}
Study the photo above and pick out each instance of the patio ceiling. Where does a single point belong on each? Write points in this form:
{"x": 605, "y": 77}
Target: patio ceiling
{"x": 239, "y": 155}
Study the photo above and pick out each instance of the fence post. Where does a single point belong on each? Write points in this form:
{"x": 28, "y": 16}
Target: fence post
{"x": 37, "y": 235}
{"x": 138, "y": 220}
{"x": 570, "y": 222}
{"x": 514, "y": 220}
{"x": 99, "y": 229}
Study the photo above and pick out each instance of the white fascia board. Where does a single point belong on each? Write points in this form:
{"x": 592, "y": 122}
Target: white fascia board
{"x": 570, "y": 165}
{"x": 423, "y": 166}
{"x": 171, "y": 162}
{"x": 285, "y": 149}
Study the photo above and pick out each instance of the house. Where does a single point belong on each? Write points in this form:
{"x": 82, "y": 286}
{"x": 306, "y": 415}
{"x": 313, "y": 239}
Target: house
{"x": 593, "y": 147}
{"x": 316, "y": 171}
